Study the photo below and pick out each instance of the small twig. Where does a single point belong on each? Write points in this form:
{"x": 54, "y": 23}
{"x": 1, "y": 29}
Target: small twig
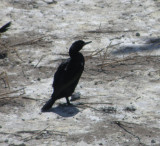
{"x": 18, "y": 55}
{"x": 63, "y": 54}
{"x": 108, "y": 31}
{"x": 12, "y": 92}
{"x": 105, "y": 54}
{"x": 117, "y": 61}
{"x": 31, "y": 98}
{"x": 23, "y": 72}
{"x": 94, "y": 53}
{"x": 118, "y": 123}
{"x": 14, "y": 134}
{"x": 97, "y": 52}
{"x": 39, "y": 61}
{"x": 119, "y": 78}
{"x": 99, "y": 26}
{"x": 114, "y": 44}
{"x": 87, "y": 107}
{"x": 10, "y": 97}
{"x": 9, "y": 49}
{"x": 28, "y": 42}
{"x": 5, "y": 78}
{"x": 34, "y": 132}
{"x": 39, "y": 132}
{"x": 97, "y": 103}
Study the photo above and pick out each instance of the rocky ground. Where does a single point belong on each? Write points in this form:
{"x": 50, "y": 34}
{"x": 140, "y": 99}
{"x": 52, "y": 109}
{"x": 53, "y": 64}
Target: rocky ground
{"x": 119, "y": 90}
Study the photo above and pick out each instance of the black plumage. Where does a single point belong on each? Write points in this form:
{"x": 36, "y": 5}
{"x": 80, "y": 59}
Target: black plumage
{"x": 67, "y": 75}
{"x": 5, "y": 27}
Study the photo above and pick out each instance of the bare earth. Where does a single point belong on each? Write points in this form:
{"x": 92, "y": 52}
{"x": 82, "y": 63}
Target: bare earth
{"x": 119, "y": 90}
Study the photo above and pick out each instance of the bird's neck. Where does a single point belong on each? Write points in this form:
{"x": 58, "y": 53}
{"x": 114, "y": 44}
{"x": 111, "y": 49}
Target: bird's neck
{"x": 76, "y": 56}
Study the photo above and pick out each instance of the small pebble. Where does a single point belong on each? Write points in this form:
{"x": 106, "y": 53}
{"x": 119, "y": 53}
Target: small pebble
{"x": 50, "y": 2}
{"x": 137, "y": 34}
{"x": 153, "y": 141}
{"x": 38, "y": 79}
{"x": 6, "y": 141}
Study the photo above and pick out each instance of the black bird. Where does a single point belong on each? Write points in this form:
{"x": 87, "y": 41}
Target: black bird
{"x": 5, "y": 27}
{"x": 67, "y": 75}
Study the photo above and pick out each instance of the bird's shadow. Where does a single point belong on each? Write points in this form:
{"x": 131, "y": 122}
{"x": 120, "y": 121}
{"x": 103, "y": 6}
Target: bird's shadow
{"x": 65, "y": 110}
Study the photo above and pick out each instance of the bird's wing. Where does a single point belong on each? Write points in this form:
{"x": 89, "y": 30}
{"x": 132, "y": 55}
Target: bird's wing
{"x": 5, "y": 27}
{"x": 63, "y": 78}
{"x": 59, "y": 76}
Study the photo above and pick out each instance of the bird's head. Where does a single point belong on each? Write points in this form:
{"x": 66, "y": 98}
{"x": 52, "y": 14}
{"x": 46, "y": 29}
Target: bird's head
{"x": 77, "y": 46}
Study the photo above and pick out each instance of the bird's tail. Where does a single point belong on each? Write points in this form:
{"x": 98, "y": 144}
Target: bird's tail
{"x": 48, "y": 105}
{"x": 5, "y": 27}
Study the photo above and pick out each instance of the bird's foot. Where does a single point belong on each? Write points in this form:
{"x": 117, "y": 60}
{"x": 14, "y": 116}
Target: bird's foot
{"x": 69, "y": 104}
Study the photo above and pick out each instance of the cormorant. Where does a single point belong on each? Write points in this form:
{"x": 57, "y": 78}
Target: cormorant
{"x": 67, "y": 75}
{"x": 5, "y": 27}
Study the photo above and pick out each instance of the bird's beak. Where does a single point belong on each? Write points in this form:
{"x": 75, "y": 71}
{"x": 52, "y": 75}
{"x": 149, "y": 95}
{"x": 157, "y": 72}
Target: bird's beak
{"x": 88, "y": 42}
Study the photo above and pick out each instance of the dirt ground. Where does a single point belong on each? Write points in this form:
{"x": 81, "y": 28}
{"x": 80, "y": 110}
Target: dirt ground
{"x": 119, "y": 90}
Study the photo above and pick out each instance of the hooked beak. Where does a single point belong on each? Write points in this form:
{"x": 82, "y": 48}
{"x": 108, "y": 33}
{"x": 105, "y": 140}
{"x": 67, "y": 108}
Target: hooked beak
{"x": 88, "y": 42}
